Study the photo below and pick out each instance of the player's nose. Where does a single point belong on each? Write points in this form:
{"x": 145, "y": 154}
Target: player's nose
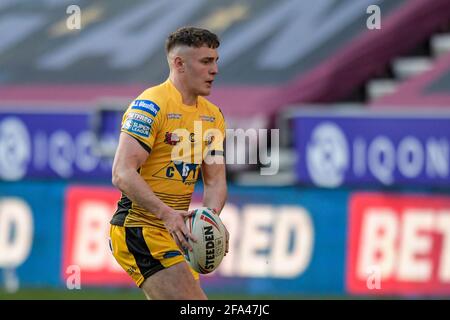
{"x": 214, "y": 69}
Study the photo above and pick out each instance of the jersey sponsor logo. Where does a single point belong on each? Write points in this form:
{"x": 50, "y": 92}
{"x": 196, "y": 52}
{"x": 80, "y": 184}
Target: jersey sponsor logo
{"x": 179, "y": 171}
{"x": 139, "y": 117}
{"x": 207, "y": 118}
{"x": 146, "y": 105}
{"x": 171, "y": 138}
{"x": 171, "y": 116}
{"x": 137, "y": 127}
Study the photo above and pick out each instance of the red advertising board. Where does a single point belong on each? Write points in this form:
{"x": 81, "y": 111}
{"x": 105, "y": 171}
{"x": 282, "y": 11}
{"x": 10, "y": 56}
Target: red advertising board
{"x": 398, "y": 244}
{"x": 88, "y": 211}
{"x": 86, "y": 250}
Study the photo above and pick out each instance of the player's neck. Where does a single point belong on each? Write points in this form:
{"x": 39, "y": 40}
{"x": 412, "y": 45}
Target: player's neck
{"x": 187, "y": 97}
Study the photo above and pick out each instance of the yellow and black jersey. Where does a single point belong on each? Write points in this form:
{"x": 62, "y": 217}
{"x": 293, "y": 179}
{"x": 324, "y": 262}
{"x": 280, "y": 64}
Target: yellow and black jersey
{"x": 178, "y": 137}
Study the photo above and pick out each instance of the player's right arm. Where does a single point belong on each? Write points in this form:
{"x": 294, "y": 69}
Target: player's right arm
{"x": 129, "y": 157}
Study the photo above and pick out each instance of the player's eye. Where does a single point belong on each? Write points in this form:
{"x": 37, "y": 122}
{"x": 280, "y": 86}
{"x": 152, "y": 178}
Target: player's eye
{"x": 207, "y": 60}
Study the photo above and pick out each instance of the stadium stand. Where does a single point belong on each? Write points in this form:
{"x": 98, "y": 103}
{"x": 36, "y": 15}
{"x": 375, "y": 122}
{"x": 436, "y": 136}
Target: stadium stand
{"x": 429, "y": 88}
{"x": 47, "y": 65}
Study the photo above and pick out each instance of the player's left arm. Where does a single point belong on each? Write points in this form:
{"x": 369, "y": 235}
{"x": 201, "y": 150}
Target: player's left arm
{"x": 214, "y": 183}
{"x": 215, "y": 187}
{"x": 213, "y": 166}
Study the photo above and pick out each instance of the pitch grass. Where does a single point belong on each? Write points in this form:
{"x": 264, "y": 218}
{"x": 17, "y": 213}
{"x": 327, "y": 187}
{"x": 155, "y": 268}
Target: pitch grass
{"x": 129, "y": 294}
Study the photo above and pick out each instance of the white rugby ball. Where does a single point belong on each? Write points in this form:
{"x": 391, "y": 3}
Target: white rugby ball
{"x": 207, "y": 253}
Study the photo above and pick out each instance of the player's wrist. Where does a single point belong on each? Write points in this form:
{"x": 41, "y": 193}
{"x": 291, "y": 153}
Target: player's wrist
{"x": 216, "y": 210}
{"x": 164, "y": 212}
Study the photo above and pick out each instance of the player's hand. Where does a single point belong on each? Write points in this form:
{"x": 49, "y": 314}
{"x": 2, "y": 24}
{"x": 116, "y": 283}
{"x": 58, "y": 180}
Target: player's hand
{"x": 227, "y": 240}
{"x": 174, "y": 221}
{"x": 227, "y": 234}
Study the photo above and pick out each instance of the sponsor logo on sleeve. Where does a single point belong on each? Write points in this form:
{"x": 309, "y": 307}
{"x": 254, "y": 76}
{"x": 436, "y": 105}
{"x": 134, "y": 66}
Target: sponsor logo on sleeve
{"x": 146, "y": 106}
{"x": 139, "y": 117}
{"x": 137, "y": 127}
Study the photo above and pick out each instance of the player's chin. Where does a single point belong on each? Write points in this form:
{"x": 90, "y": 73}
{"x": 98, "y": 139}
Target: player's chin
{"x": 205, "y": 91}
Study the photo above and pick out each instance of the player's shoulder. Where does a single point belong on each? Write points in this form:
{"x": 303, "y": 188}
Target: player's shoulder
{"x": 211, "y": 107}
{"x": 153, "y": 99}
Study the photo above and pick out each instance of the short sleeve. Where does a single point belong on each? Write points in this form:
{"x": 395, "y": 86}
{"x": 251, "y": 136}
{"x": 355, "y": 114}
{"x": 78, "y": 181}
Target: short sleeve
{"x": 217, "y": 136}
{"x": 142, "y": 121}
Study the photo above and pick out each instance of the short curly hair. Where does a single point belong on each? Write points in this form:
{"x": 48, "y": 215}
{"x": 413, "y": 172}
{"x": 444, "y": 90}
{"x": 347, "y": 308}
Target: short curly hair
{"x": 192, "y": 37}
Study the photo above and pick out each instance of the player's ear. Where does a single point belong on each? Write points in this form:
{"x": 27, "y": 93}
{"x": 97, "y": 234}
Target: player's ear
{"x": 179, "y": 64}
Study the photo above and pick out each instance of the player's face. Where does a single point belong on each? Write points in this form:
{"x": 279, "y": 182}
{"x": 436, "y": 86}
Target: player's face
{"x": 201, "y": 69}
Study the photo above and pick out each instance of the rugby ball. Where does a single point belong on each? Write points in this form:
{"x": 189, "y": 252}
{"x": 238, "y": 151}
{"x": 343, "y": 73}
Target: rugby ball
{"x": 207, "y": 253}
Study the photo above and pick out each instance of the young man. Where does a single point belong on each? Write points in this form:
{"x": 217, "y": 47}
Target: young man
{"x": 169, "y": 133}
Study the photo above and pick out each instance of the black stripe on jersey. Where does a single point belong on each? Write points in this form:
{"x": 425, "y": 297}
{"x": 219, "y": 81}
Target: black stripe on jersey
{"x": 143, "y": 145}
{"x": 175, "y": 199}
{"x": 146, "y": 263}
{"x": 123, "y": 208}
{"x": 182, "y": 208}
{"x": 174, "y": 195}
{"x": 178, "y": 205}
{"x": 215, "y": 153}
{"x": 221, "y": 113}
{"x": 175, "y": 204}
